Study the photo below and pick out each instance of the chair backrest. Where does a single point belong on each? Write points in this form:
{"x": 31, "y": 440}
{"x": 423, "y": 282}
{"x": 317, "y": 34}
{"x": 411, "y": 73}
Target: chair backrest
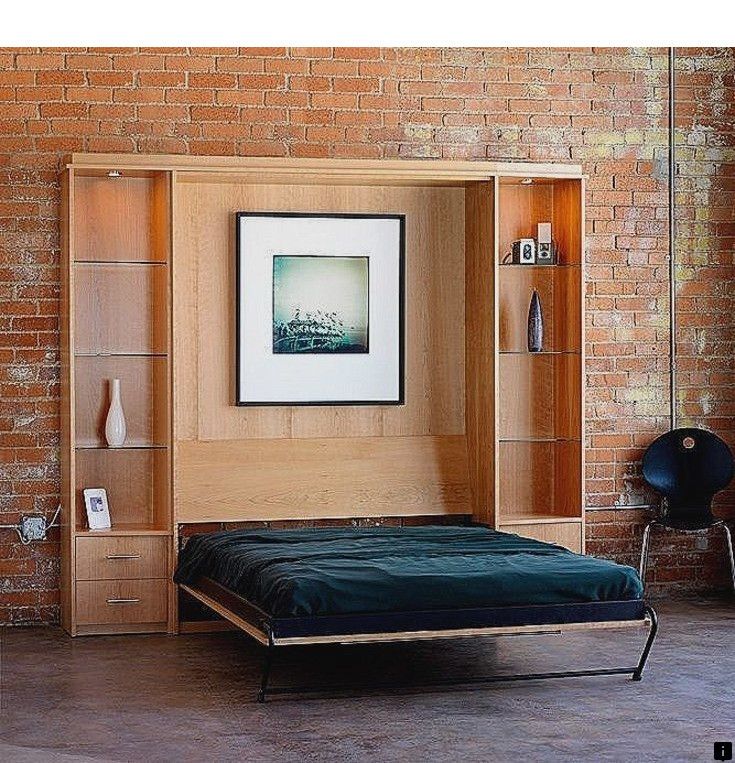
{"x": 688, "y": 466}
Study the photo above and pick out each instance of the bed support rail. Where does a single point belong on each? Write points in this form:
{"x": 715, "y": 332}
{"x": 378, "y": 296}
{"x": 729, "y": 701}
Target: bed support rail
{"x": 636, "y": 673}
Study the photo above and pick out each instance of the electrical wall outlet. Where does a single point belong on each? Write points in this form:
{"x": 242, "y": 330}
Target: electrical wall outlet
{"x": 33, "y": 528}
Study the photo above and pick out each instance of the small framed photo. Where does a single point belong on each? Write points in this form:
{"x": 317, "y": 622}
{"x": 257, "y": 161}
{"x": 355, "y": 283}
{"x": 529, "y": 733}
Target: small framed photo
{"x": 545, "y": 253}
{"x": 98, "y": 511}
{"x": 524, "y": 251}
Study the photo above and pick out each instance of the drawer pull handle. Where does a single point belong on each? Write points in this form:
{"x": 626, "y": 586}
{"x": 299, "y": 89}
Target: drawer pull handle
{"x": 123, "y": 556}
{"x": 123, "y": 601}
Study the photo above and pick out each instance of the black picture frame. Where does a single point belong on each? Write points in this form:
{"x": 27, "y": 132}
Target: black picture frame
{"x": 401, "y": 218}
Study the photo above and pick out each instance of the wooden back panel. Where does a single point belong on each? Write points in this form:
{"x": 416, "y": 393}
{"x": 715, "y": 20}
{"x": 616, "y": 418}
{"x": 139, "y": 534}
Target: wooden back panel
{"x": 314, "y": 462}
{"x": 480, "y": 342}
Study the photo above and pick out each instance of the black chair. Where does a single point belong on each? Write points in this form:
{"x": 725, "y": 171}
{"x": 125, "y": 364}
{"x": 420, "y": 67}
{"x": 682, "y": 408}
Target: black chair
{"x": 687, "y": 466}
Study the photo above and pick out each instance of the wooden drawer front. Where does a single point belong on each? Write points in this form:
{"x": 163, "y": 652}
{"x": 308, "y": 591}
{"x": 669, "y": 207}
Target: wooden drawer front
{"x": 129, "y": 557}
{"x": 567, "y": 534}
{"x": 122, "y": 601}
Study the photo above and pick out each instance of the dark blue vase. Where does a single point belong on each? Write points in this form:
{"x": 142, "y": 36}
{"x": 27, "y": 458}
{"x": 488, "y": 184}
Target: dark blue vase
{"x": 535, "y": 324}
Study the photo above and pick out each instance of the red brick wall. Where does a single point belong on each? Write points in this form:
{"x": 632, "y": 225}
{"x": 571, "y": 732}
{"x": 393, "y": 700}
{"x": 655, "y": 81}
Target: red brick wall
{"x": 602, "y": 107}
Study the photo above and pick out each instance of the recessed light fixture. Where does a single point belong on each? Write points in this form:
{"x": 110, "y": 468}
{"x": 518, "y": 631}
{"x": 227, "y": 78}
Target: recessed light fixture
{"x": 527, "y": 181}
{"x": 114, "y": 174}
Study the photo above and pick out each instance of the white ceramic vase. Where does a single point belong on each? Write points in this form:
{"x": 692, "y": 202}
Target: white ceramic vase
{"x": 115, "y": 429}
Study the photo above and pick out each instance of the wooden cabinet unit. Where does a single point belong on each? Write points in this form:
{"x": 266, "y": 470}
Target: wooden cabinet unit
{"x": 539, "y": 447}
{"x": 488, "y": 428}
{"x": 116, "y": 295}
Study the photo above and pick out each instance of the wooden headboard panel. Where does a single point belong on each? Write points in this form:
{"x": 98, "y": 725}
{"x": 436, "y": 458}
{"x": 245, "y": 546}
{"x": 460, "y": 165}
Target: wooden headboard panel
{"x": 233, "y": 463}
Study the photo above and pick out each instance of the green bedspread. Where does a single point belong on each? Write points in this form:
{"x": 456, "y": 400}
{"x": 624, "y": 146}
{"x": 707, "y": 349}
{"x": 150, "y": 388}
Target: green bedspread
{"x": 291, "y": 573}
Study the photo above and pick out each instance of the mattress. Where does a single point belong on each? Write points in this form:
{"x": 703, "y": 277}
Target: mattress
{"x": 350, "y": 571}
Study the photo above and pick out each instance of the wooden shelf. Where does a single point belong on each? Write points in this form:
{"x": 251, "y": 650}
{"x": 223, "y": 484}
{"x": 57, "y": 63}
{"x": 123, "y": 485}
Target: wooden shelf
{"x": 121, "y": 529}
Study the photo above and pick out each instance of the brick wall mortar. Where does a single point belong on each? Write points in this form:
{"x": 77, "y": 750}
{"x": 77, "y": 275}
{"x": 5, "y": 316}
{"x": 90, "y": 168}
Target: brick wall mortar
{"x": 604, "y": 108}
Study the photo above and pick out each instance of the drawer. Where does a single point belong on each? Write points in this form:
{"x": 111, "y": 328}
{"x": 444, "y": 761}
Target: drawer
{"x": 121, "y": 601}
{"x": 122, "y": 558}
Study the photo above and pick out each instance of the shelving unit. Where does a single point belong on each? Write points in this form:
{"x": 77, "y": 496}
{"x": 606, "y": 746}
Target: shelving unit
{"x": 117, "y": 302}
{"x": 488, "y": 428}
{"x": 540, "y": 396}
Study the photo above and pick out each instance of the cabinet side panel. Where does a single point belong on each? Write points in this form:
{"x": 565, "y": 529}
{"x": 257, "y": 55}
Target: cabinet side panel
{"x": 583, "y": 373}
{"x": 164, "y": 218}
{"x": 480, "y": 347}
{"x": 67, "y": 408}
{"x": 569, "y": 226}
{"x": 568, "y": 220}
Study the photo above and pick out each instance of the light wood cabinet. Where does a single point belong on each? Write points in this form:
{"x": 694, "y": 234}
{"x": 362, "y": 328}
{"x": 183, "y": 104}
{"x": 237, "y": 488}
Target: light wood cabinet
{"x": 489, "y": 429}
{"x": 116, "y": 307}
{"x": 539, "y": 447}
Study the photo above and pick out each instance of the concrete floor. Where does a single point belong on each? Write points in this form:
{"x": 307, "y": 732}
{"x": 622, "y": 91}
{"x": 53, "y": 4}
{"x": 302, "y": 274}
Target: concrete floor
{"x": 191, "y": 698}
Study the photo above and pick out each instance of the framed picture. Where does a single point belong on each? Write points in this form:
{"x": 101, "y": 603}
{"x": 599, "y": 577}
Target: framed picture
{"x": 98, "y": 511}
{"x": 320, "y": 309}
{"x": 524, "y": 251}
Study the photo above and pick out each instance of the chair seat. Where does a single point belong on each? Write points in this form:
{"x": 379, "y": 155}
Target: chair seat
{"x": 694, "y": 522}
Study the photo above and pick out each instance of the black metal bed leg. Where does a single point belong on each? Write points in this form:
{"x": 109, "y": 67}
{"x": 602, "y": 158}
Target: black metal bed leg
{"x": 638, "y": 672}
{"x": 267, "y": 664}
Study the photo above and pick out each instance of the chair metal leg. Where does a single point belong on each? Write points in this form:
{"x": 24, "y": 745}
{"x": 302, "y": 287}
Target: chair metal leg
{"x": 728, "y": 536}
{"x": 644, "y": 551}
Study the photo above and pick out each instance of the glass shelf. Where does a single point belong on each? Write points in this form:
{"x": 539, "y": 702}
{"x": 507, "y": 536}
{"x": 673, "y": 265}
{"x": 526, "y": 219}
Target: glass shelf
{"x": 122, "y": 447}
{"x": 120, "y": 354}
{"x": 539, "y": 439}
{"x": 543, "y": 352}
{"x": 538, "y": 267}
{"x": 120, "y": 262}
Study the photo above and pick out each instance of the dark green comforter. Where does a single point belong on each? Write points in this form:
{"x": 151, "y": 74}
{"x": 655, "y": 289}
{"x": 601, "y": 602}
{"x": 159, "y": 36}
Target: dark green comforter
{"x": 292, "y": 573}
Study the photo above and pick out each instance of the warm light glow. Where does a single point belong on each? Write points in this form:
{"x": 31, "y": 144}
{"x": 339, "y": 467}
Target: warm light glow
{"x": 527, "y": 181}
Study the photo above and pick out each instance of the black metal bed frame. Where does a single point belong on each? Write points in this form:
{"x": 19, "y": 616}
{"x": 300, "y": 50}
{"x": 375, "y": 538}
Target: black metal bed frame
{"x": 275, "y": 633}
{"x": 636, "y": 673}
